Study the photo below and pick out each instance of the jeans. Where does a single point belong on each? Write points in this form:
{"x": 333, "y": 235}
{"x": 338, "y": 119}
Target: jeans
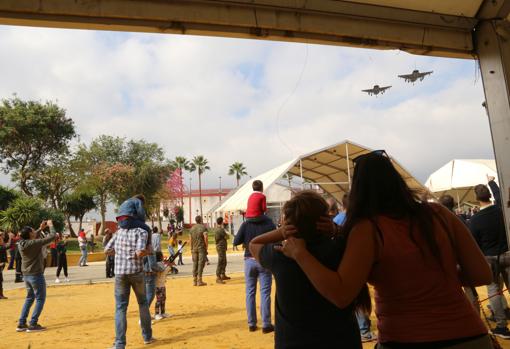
{"x": 83, "y": 258}
{"x": 132, "y": 223}
{"x": 123, "y": 285}
{"x": 150, "y": 288}
{"x": 171, "y": 251}
{"x": 253, "y": 271}
{"x": 36, "y": 290}
{"x": 363, "y": 322}
{"x": 494, "y": 291}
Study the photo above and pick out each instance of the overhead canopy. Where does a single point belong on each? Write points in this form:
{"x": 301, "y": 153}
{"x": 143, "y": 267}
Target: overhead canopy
{"x": 429, "y": 27}
{"x": 459, "y": 177}
{"x": 330, "y": 168}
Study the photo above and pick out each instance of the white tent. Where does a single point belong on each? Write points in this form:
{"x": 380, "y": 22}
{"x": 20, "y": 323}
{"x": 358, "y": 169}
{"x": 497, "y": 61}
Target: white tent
{"x": 459, "y": 177}
{"x": 330, "y": 168}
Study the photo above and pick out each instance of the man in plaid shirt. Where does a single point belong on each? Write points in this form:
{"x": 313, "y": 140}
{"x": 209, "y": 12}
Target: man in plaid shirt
{"x": 129, "y": 248}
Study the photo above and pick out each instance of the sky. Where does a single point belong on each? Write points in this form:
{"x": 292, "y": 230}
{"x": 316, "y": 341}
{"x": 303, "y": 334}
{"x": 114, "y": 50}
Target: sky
{"x": 258, "y": 102}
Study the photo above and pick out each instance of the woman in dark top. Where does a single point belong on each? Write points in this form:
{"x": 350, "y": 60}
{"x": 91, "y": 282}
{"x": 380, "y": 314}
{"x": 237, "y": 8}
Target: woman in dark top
{"x": 304, "y": 318}
{"x": 61, "y": 247}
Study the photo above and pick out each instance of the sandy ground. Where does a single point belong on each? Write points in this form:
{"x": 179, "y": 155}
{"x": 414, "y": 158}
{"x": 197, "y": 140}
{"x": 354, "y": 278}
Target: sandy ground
{"x": 82, "y": 317}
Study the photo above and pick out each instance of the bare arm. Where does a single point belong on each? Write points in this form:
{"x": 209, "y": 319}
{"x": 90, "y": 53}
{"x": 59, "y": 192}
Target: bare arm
{"x": 342, "y": 286}
{"x": 259, "y": 241}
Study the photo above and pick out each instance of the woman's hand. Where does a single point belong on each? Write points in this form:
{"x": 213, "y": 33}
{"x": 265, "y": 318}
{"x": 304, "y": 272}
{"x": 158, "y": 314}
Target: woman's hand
{"x": 326, "y": 226}
{"x": 292, "y": 247}
{"x": 288, "y": 230}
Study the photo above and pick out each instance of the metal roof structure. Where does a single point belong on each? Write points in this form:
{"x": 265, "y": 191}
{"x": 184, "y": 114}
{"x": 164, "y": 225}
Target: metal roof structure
{"x": 330, "y": 168}
{"x": 474, "y": 29}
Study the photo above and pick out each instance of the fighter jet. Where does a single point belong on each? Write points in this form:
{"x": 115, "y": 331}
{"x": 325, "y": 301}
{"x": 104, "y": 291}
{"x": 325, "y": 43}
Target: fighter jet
{"x": 415, "y": 75}
{"x": 376, "y": 90}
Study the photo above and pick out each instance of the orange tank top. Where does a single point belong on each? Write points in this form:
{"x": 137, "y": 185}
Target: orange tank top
{"x": 417, "y": 299}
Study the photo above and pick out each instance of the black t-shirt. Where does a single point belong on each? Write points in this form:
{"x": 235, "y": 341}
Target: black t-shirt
{"x": 305, "y": 319}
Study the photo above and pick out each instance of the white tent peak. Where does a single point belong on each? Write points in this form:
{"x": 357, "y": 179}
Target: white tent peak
{"x": 330, "y": 168}
{"x": 458, "y": 178}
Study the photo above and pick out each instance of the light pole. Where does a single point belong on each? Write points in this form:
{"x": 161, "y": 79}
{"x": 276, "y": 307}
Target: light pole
{"x": 190, "y": 221}
{"x": 220, "y": 188}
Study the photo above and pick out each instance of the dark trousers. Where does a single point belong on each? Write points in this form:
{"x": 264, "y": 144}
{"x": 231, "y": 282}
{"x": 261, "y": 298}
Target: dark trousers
{"x": 110, "y": 266}
{"x": 62, "y": 263}
{"x": 19, "y": 274}
{"x": 54, "y": 257}
{"x": 12, "y": 254}
{"x": 1, "y": 279}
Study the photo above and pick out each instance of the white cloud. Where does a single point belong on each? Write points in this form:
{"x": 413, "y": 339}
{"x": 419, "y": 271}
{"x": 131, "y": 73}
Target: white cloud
{"x": 219, "y": 97}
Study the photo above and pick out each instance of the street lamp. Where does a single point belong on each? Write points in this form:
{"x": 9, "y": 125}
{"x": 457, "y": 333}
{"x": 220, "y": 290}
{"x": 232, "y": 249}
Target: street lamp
{"x": 220, "y": 188}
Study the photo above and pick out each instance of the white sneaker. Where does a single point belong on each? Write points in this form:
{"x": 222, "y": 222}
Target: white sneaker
{"x": 166, "y": 315}
{"x": 159, "y": 317}
{"x": 67, "y": 280}
{"x": 57, "y": 280}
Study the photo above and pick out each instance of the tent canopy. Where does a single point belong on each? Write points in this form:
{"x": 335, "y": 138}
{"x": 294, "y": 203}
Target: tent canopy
{"x": 459, "y": 177}
{"x": 330, "y": 168}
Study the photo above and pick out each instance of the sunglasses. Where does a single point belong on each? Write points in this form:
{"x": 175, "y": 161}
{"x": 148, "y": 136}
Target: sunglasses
{"x": 375, "y": 152}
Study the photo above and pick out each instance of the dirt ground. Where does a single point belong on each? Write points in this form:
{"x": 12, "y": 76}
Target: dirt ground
{"x": 82, "y": 317}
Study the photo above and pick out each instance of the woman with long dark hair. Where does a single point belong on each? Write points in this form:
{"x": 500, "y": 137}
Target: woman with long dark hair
{"x": 304, "y": 318}
{"x": 417, "y": 255}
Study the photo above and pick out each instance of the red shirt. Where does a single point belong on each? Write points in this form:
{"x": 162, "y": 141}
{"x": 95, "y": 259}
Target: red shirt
{"x": 256, "y": 205}
{"x": 419, "y": 301}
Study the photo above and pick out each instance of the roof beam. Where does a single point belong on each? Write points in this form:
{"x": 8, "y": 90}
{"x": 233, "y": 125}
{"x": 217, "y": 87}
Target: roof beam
{"x": 494, "y": 9}
{"x": 313, "y": 21}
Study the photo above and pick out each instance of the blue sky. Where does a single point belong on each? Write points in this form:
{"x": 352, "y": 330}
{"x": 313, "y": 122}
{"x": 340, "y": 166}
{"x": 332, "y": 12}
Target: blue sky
{"x": 220, "y": 97}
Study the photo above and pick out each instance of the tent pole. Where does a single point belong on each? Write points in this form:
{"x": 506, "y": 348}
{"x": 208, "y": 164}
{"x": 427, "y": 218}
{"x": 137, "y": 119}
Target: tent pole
{"x": 348, "y": 165}
{"x": 301, "y": 174}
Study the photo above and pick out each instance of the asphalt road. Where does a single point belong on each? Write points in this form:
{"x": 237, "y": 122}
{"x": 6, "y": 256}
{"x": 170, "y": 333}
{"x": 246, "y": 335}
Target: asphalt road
{"x": 95, "y": 272}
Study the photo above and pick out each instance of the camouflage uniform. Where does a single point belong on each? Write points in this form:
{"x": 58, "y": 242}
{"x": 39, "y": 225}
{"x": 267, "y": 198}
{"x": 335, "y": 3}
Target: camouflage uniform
{"x": 221, "y": 236}
{"x": 198, "y": 252}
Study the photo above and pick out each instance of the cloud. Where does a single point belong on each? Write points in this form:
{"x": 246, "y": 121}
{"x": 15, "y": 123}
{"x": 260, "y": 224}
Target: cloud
{"x": 220, "y": 97}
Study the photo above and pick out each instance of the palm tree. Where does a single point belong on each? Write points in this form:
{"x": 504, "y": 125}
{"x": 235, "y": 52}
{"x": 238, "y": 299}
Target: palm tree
{"x": 199, "y": 164}
{"x": 181, "y": 163}
{"x": 237, "y": 169}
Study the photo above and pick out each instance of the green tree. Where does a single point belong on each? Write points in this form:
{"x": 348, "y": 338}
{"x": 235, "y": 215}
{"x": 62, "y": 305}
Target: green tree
{"x": 200, "y": 165}
{"x": 32, "y": 132}
{"x": 182, "y": 164}
{"x": 29, "y": 211}
{"x": 57, "y": 178}
{"x": 237, "y": 169}
{"x": 6, "y": 197}
{"x": 77, "y": 205}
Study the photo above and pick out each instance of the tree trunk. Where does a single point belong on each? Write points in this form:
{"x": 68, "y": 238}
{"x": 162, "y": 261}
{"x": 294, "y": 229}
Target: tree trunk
{"x": 237, "y": 178}
{"x": 103, "y": 215}
{"x": 71, "y": 230}
{"x": 160, "y": 225}
{"x": 200, "y": 193}
{"x": 81, "y": 222}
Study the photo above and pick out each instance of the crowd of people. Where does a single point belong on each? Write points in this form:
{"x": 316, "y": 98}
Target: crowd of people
{"x": 423, "y": 259}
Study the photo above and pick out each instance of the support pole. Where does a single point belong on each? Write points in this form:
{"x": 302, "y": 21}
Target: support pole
{"x": 301, "y": 174}
{"x": 493, "y": 50}
{"x": 348, "y": 164}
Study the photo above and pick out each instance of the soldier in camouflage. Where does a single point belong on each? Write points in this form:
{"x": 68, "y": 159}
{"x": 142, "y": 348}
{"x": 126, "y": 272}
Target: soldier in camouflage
{"x": 199, "y": 244}
{"x": 221, "y": 236}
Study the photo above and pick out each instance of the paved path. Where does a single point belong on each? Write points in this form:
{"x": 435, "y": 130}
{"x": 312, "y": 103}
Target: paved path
{"x": 95, "y": 272}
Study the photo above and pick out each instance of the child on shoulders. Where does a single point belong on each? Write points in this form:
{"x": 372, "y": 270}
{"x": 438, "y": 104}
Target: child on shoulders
{"x": 256, "y": 203}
